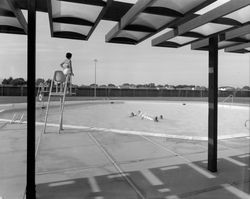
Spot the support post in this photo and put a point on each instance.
(31, 100)
(213, 104)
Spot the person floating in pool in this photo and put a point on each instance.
(145, 116)
(132, 114)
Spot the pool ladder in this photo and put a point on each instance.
(17, 118)
(228, 98)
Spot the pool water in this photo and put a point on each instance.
(189, 119)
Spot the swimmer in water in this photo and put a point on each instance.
(132, 114)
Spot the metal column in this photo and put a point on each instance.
(31, 100)
(213, 104)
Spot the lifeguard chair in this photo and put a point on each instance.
(58, 88)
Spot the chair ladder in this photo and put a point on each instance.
(61, 95)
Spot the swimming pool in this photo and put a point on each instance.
(187, 120)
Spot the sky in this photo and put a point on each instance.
(118, 64)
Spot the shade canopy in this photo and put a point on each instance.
(148, 17)
(186, 21)
(72, 19)
(229, 21)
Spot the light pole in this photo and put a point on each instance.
(95, 60)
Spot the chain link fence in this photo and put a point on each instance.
(128, 92)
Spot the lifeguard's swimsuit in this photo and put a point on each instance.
(67, 71)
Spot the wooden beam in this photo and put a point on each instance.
(31, 100)
(18, 14)
(244, 30)
(112, 33)
(100, 16)
(238, 47)
(200, 44)
(161, 39)
(128, 18)
(49, 5)
(133, 12)
(213, 104)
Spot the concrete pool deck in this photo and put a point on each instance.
(94, 164)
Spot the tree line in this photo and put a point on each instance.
(22, 82)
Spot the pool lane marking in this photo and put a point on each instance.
(117, 175)
(237, 192)
(169, 168)
(111, 159)
(6, 105)
(199, 138)
(244, 156)
(154, 180)
(56, 184)
(99, 197)
(192, 165)
(172, 197)
(235, 161)
(164, 190)
(117, 131)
